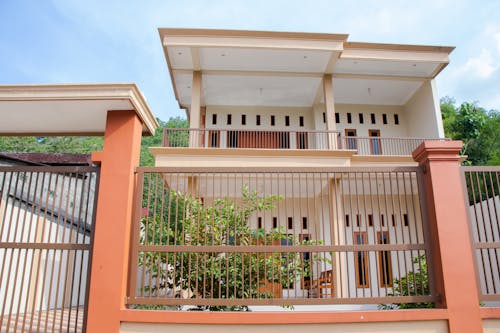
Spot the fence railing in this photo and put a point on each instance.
(220, 238)
(482, 186)
(287, 139)
(46, 231)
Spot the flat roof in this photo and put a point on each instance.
(265, 68)
(69, 109)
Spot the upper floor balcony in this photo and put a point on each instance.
(237, 138)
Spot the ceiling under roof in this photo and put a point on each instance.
(286, 69)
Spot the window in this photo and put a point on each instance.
(229, 119)
(287, 120)
(370, 220)
(337, 118)
(358, 220)
(405, 220)
(384, 119)
(347, 223)
(257, 120)
(372, 117)
(384, 258)
(393, 218)
(290, 223)
(349, 119)
(361, 120)
(259, 222)
(396, 119)
(361, 258)
(301, 121)
(273, 121)
(324, 117)
(275, 222)
(382, 220)
(214, 119)
(243, 119)
(304, 223)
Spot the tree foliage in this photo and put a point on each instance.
(478, 128)
(218, 275)
(84, 145)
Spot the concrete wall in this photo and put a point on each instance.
(386, 130)
(265, 117)
(403, 327)
(423, 113)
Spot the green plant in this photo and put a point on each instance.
(224, 274)
(415, 283)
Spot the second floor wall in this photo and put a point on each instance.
(419, 117)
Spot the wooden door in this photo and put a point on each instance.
(351, 143)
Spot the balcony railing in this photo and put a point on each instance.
(288, 139)
(279, 237)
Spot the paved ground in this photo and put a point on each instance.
(69, 320)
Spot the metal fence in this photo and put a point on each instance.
(287, 139)
(483, 201)
(46, 231)
(226, 238)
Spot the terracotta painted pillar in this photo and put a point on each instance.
(450, 240)
(108, 282)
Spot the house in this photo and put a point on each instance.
(294, 106)
(310, 210)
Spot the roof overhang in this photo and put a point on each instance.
(68, 109)
(264, 68)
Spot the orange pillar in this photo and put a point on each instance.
(108, 282)
(450, 240)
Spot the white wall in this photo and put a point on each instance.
(265, 117)
(423, 113)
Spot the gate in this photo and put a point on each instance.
(482, 185)
(47, 224)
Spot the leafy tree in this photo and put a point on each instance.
(147, 158)
(477, 128)
(217, 275)
(85, 145)
(55, 144)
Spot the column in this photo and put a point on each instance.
(450, 239)
(330, 110)
(195, 110)
(108, 282)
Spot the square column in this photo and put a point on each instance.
(108, 280)
(452, 256)
(330, 110)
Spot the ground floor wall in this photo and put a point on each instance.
(438, 326)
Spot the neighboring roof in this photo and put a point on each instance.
(263, 68)
(68, 109)
(47, 158)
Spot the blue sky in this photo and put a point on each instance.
(60, 41)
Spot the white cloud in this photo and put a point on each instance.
(481, 66)
(496, 37)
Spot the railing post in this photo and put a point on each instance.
(108, 281)
(450, 239)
